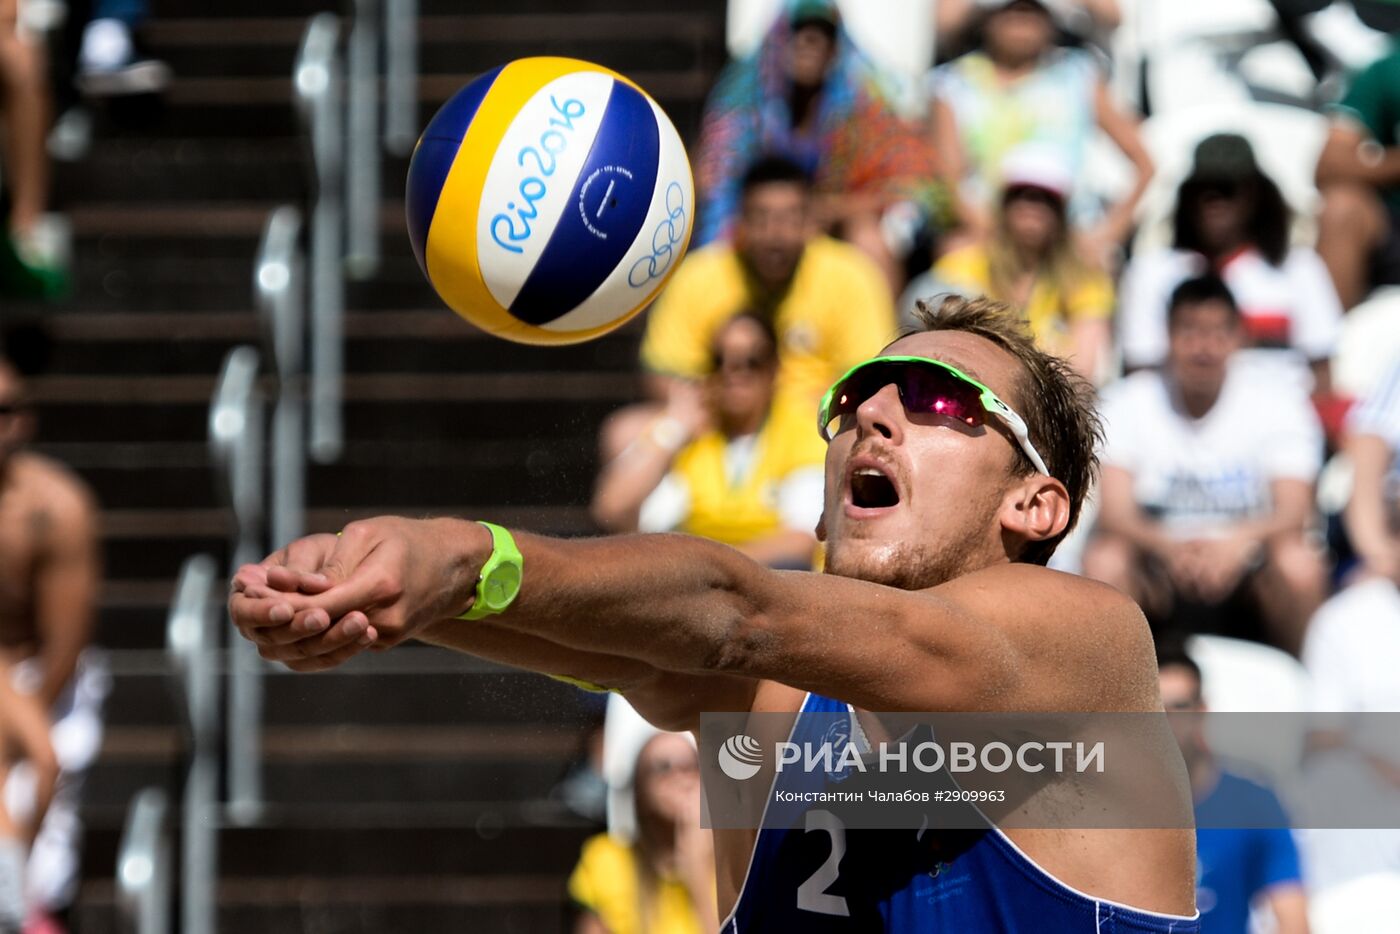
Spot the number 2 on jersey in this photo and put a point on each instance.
(812, 895)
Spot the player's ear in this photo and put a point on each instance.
(1035, 508)
(821, 527)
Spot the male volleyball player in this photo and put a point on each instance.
(942, 504)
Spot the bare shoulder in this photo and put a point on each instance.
(1091, 641)
(66, 497)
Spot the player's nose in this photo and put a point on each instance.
(882, 414)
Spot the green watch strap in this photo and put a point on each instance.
(500, 578)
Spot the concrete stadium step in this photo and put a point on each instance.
(389, 407)
(154, 343)
(455, 469)
(171, 169)
(523, 905)
(189, 9)
(376, 871)
(419, 685)
(265, 46)
(300, 770)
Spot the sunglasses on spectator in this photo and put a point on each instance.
(926, 387)
(13, 408)
(742, 363)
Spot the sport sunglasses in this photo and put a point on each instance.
(925, 386)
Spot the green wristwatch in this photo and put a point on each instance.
(500, 577)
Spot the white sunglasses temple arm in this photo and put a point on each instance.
(1023, 436)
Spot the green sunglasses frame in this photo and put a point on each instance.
(990, 402)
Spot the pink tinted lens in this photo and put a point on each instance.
(923, 389)
(934, 390)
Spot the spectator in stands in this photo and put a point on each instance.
(810, 95)
(28, 268)
(827, 302)
(1029, 262)
(1088, 20)
(1245, 853)
(1358, 174)
(1351, 653)
(729, 466)
(1231, 219)
(49, 573)
(1206, 491)
(24, 744)
(663, 882)
(1018, 87)
(1371, 515)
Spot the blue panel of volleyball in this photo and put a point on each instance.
(549, 200)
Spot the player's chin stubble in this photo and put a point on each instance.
(906, 565)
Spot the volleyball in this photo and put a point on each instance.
(549, 201)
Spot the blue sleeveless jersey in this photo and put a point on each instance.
(829, 879)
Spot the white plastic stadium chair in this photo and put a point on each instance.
(1246, 677)
(1369, 344)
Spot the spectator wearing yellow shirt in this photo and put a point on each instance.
(726, 460)
(664, 881)
(828, 302)
(1030, 262)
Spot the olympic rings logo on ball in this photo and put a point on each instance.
(667, 236)
(533, 188)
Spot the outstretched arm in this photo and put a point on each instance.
(669, 700)
(1008, 637)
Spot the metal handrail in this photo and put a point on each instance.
(363, 158)
(236, 447)
(400, 75)
(318, 77)
(143, 865)
(192, 640)
(279, 292)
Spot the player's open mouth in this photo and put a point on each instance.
(872, 489)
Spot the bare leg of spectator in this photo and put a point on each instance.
(26, 98)
(1350, 227)
(1289, 589)
(27, 116)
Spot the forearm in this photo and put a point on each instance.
(1366, 514)
(1292, 509)
(497, 642)
(672, 601)
(1132, 524)
(629, 478)
(1366, 528)
(60, 661)
(1342, 162)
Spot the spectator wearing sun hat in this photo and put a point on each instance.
(1232, 220)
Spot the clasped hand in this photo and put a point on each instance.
(325, 598)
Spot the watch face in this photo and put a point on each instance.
(503, 585)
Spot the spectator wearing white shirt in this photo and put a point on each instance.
(1232, 219)
(1207, 484)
